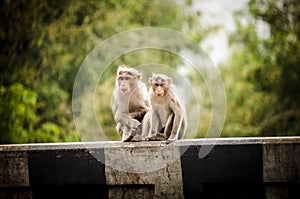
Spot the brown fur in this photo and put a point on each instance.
(130, 104)
(168, 114)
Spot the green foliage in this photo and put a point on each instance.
(42, 45)
(264, 76)
(48, 132)
(17, 113)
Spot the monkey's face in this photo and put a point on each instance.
(125, 82)
(159, 86)
(159, 89)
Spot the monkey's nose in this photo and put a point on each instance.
(159, 93)
(124, 90)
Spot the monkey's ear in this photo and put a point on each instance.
(139, 76)
(150, 80)
(169, 80)
(120, 68)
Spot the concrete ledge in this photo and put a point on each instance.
(234, 168)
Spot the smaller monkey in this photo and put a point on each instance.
(131, 104)
(168, 113)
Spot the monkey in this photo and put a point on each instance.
(169, 120)
(131, 103)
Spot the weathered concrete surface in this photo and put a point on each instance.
(281, 162)
(153, 163)
(16, 194)
(234, 168)
(14, 169)
(281, 166)
(131, 191)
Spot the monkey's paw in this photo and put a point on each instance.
(138, 138)
(155, 137)
(127, 136)
(134, 124)
(169, 141)
(137, 130)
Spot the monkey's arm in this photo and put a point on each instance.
(139, 114)
(122, 116)
(125, 119)
(178, 116)
(142, 103)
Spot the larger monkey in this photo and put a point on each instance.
(168, 113)
(131, 104)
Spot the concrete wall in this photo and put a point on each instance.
(233, 168)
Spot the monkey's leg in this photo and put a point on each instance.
(138, 138)
(119, 128)
(126, 134)
(156, 137)
(168, 127)
(147, 124)
(182, 129)
(133, 134)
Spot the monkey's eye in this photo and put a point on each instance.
(127, 78)
(157, 84)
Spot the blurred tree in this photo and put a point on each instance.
(17, 110)
(263, 83)
(43, 43)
